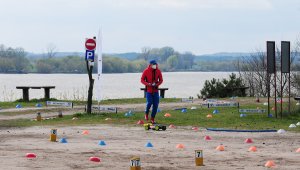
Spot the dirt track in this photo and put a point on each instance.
(124, 142)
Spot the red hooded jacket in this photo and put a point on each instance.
(151, 76)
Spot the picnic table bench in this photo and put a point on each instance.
(25, 90)
(161, 91)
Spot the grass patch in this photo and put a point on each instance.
(33, 102)
(31, 111)
(227, 118)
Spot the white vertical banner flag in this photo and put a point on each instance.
(99, 76)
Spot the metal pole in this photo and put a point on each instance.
(275, 94)
(268, 77)
(275, 84)
(289, 92)
(281, 88)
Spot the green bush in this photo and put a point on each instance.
(226, 88)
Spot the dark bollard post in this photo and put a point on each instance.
(26, 94)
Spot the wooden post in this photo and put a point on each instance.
(47, 93)
(26, 94)
(91, 86)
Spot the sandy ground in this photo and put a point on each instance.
(124, 142)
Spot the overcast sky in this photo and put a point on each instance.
(198, 26)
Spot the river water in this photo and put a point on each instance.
(126, 85)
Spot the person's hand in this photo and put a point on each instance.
(153, 84)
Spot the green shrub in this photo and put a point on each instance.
(226, 88)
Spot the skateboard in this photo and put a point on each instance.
(156, 127)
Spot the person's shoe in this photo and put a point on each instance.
(146, 117)
(152, 121)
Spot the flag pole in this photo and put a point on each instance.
(99, 77)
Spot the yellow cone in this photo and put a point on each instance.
(167, 115)
(209, 116)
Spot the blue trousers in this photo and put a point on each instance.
(152, 99)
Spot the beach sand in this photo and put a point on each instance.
(124, 142)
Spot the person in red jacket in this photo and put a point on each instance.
(152, 78)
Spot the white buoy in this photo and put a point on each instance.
(281, 131)
(292, 126)
(265, 104)
(297, 104)
(193, 108)
(298, 124)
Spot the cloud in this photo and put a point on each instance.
(63, 6)
(193, 4)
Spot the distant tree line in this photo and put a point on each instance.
(14, 60)
(168, 58)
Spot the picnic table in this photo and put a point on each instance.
(25, 90)
(161, 91)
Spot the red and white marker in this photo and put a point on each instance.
(90, 44)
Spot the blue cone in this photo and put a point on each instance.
(149, 145)
(215, 111)
(38, 105)
(18, 106)
(158, 110)
(243, 115)
(128, 114)
(101, 143)
(63, 140)
(183, 110)
(270, 115)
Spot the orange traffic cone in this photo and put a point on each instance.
(298, 150)
(269, 164)
(209, 116)
(85, 132)
(167, 115)
(252, 149)
(220, 148)
(180, 146)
